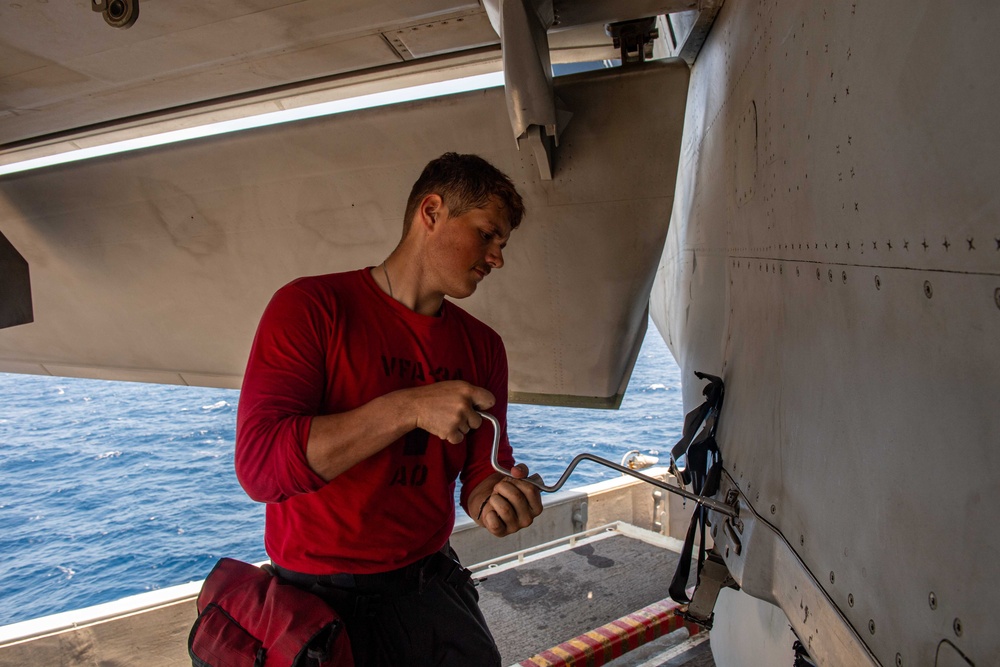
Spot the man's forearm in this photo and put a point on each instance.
(338, 442)
(444, 409)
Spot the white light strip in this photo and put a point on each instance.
(465, 84)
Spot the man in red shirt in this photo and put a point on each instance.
(360, 409)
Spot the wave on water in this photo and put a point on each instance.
(111, 489)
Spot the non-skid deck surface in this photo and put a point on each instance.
(541, 603)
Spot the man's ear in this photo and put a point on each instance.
(430, 210)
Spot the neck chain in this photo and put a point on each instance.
(387, 281)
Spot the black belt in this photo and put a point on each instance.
(409, 578)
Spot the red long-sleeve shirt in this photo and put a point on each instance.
(329, 344)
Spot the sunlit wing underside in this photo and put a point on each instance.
(156, 265)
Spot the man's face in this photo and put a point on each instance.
(468, 247)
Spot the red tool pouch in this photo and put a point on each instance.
(246, 616)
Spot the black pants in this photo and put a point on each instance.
(426, 614)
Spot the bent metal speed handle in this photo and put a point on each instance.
(536, 479)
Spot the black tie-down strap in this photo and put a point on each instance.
(697, 461)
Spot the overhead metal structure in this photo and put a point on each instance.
(155, 265)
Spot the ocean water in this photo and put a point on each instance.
(109, 489)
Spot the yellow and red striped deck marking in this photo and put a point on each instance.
(611, 640)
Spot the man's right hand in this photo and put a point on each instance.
(445, 409)
(450, 409)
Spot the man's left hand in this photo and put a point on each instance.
(512, 504)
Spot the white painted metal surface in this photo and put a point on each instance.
(834, 254)
(155, 266)
(64, 68)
